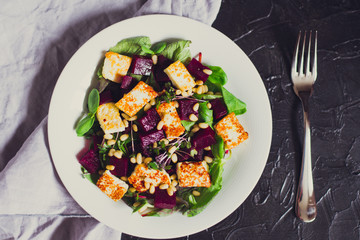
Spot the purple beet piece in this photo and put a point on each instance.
(149, 120)
(150, 137)
(90, 161)
(121, 166)
(96, 142)
(186, 108)
(145, 151)
(105, 97)
(203, 138)
(141, 65)
(219, 108)
(196, 69)
(158, 69)
(163, 200)
(126, 82)
(187, 155)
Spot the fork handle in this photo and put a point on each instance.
(305, 206)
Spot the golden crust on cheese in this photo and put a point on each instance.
(172, 123)
(193, 174)
(112, 186)
(142, 173)
(179, 76)
(231, 131)
(115, 66)
(133, 101)
(109, 118)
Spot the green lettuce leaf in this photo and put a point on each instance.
(178, 50)
(233, 104)
(132, 46)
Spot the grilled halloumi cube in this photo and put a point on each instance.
(179, 76)
(193, 174)
(109, 118)
(231, 131)
(115, 66)
(112, 186)
(172, 123)
(144, 174)
(133, 101)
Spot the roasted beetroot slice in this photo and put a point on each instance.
(141, 65)
(200, 155)
(96, 142)
(196, 69)
(163, 200)
(151, 137)
(149, 121)
(105, 97)
(203, 138)
(186, 108)
(121, 166)
(219, 108)
(90, 161)
(158, 69)
(126, 82)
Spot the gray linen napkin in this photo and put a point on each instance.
(38, 38)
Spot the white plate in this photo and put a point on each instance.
(241, 172)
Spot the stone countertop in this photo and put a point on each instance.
(266, 31)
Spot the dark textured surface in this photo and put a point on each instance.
(266, 31)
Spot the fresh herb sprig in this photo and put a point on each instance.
(86, 123)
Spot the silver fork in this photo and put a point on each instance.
(303, 80)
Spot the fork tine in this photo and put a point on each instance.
(301, 70)
(295, 57)
(314, 67)
(308, 56)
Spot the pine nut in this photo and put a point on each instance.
(133, 118)
(154, 59)
(147, 107)
(111, 142)
(138, 158)
(132, 189)
(152, 189)
(124, 115)
(196, 193)
(208, 148)
(124, 178)
(199, 90)
(178, 92)
(208, 159)
(136, 204)
(126, 123)
(160, 125)
(147, 160)
(203, 125)
(208, 105)
(118, 154)
(111, 152)
(199, 82)
(164, 186)
(172, 177)
(147, 185)
(193, 117)
(196, 107)
(205, 88)
(132, 160)
(155, 145)
(152, 102)
(174, 158)
(176, 104)
(174, 183)
(108, 136)
(170, 192)
(142, 209)
(207, 71)
(135, 127)
(124, 137)
(166, 141)
(172, 149)
(195, 129)
(110, 167)
(210, 93)
(185, 94)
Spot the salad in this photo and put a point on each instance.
(161, 126)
